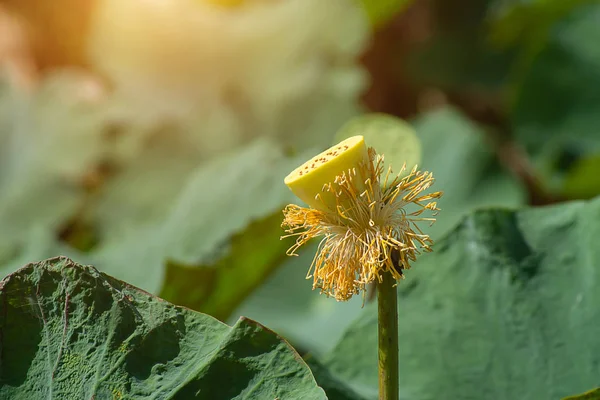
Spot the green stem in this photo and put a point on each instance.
(387, 304)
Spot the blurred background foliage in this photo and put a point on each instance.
(151, 138)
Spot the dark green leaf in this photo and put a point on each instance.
(70, 332)
(590, 395)
(506, 307)
(219, 288)
(335, 388)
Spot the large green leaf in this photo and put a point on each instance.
(219, 288)
(506, 307)
(69, 331)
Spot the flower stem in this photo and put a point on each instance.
(387, 305)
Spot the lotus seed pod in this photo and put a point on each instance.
(308, 180)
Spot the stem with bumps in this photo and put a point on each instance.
(387, 304)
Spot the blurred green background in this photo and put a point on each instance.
(151, 138)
